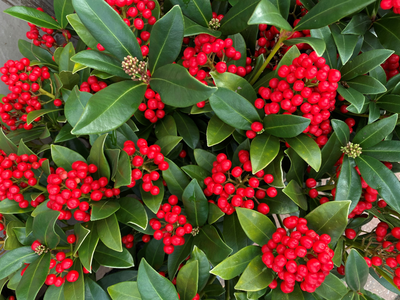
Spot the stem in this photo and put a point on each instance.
(227, 285)
(40, 188)
(325, 188)
(43, 92)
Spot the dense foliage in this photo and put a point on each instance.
(223, 150)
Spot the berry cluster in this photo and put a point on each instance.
(147, 159)
(300, 255)
(152, 106)
(237, 187)
(23, 82)
(67, 188)
(127, 240)
(170, 225)
(17, 175)
(391, 66)
(389, 4)
(308, 84)
(92, 85)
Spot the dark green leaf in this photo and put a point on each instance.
(103, 209)
(233, 233)
(64, 134)
(238, 16)
(13, 260)
(267, 13)
(11, 207)
(255, 277)
(89, 244)
(34, 16)
(98, 158)
(217, 131)
(165, 126)
(214, 214)
(204, 159)
(192, 28)
(179, 255)
(294, 191)
(93, 291)
(204, 266)
(332, 288)
(196, 172)
(358, 25)
(154, 201)
(43, 228)
(317, 44)
(388, 33)
(123, 175)
(356, 271)
(64, 157)
(308, 150)
(390, 103)
(155, 253)
(285, 126)
(38, 113)
(175, 178)
(367, 85)
(112, 259)
(132, 212)
(341, 130)
(62, 8)
(82, 31)
(345, 43)
(384, 151)
(81, 233)
(330, 54)
(168, 143)
(352, 96)
(75, 105)
(187, 128)
(264, 148)
(65, 63)
(197, 10)
(34, 52)
(124, 291)
(187, 280)
(54, 293)
(195, 203)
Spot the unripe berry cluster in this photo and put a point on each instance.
(17, 175)
(23, 82)
(300, 255)
(146, 160)
(389, 4)
(391, 66)
(170, 225)
(310, 85)
(237, 187)
(152, 106)
(92, 85)
(66, 189)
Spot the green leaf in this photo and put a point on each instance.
(341, 130)
(196, 172)
(13, 260)
(123, 175)
(187, 280)
(345, 43)
(211, 243)
(352, 96)
(197, 10)
(204, 266)
(235, 83)
(367, 85)
(166, 39)
(93, 291)
(326, 12)
(239, 44)
(204, 159)
(6, 145)
(329, 218)
(257, 226)
(364, 63)
(285, 126)
(294, 191)
(384, 151)
(100, 61)
(38, 113)
(154, 201)
(374, 133)
(358, 25)
(195, 203)
(103, 209)
(267, 13)
(317, 44)
(82, 32)
(98, 158)
(233, 109)
(330, 54)
(119, 99)
(168, 143)
(233, 233)
(187, 128)
(175, 178)
(349, 183)
(388, 32)
(356, 271)
(81, 234)
(62, 8)
(237, 263)
(132, 212)
(43, 228)
(217, 131)
(166, 126)
(34, 52)
(34, 16)
(390, 103)
(64, 134)
(308, 150)
(264, 148)
(379, 177)
(64, 157)
(65, 63)
(214, 213)
(11, 207)
(34, 277)
(54, 293)
(179, 255)
(112, 259)
(255, 277)
(331, 288)
(108, 28)
(177, 87)
(75, 105)
(124, 291)
(192, 28)
(237, 18)
(76, 290)
(89, 244)
(155, 253)
(153, 286)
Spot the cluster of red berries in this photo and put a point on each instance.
(92, 85)
(153, 107)
(147, 159)
(309, 84)
(67, 188)
(170, 225)
(389, 4)
(127, 240)
(17, 175)
(237, 187)
(300, 255)
(256, 128)
(23, 82)
(391, 66)
(47, 38)
(137, 12)
(1, 222)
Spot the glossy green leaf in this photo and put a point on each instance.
(235, 83)
(317, 44)
(257, 226)
(330, 54)
(214, 213)
(364, 63)
(234, 265)
(11, 207)
(187, 280)
(197, 10)
(329, 218)
(38, 113)
(123, 174)
(34, 277)
(267, 13)
(179, 255)
(211, 243)
(196, 172)
(124, 291)
(308, 150)
(44, 228)
(54, 293)
(132, 212)
(388, 32)
(110, 108)
(358, 25)
(103, 209)
(175, 178)
(285, 126)
(237, 18)
(154, 201)
(204, 159)
(154, 286)
(166, 39)
(93, 291)
(108, 28)
(166, 126)
(33, 52)
(81, 233)
(89, 244)
(379, 177)
(264, 148)
(195, 203)
(75, 290)
(390, 103)
(65, 63)
(327, 12)
(356, 271)
(341, 130)
(155, 253)
(367, 85)
(98, 158)
(64, 134)
(217, 131)
(82, 31)
(113, 259)
(255, 277)
(294, 191)
(34, 16)
(352, 96)
(13, 260)
(64, 157)
(384, 151)
(75, 105)
(204, 266)
(177, 87)
(193, 28)
(168, 143)
(187, 128)
(233, 233)
(345, 43)
(374, 133)
(331, 288)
